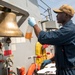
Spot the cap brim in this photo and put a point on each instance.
(57, 10)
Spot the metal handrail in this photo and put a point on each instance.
(47, 10)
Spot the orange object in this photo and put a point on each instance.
(32, 68)
(28, 35)
(22, 71)
(29, 31)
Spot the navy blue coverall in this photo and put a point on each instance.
(64, 41)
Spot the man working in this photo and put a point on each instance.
(63, 39)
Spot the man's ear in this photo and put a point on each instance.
(66, 15)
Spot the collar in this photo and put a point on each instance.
(69, 22)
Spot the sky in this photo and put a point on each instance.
(54, 4)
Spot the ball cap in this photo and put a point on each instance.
(65, 8)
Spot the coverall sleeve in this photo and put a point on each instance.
(58, 37)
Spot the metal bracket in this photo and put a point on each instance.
(18, 11)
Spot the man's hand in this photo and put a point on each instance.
(31, 21)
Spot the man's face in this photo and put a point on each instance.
(61, 17)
